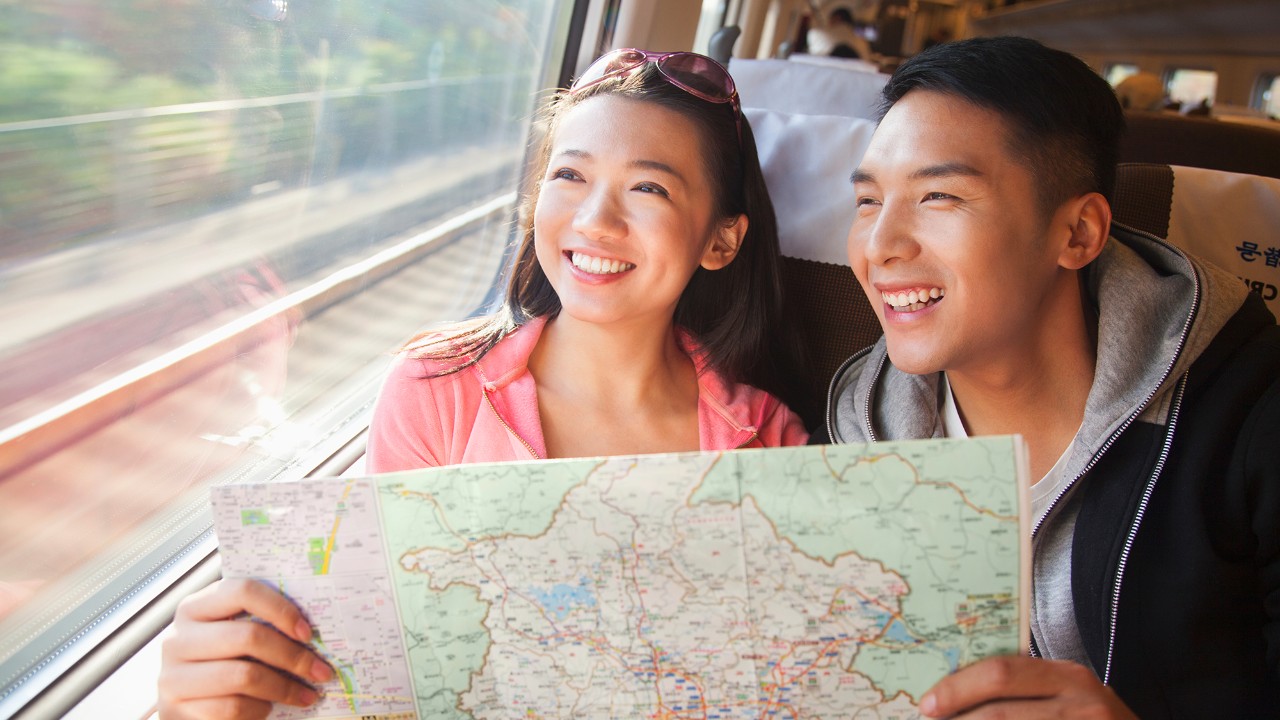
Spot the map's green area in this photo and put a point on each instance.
(446, 642)
(897, 504)
(450, 507)
(254, 516)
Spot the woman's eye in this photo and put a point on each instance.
(564, 174)
(652, 188)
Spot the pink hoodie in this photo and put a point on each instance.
(489, 412)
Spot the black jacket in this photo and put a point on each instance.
(1176, 552)
(1197, 627)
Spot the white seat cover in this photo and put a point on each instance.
(807, 88)
(1233, 221)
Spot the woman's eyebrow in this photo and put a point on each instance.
(659, 166)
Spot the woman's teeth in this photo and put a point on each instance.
(912, 300)
(598, 266)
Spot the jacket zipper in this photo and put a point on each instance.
(1182, 341)
(831, 391)
(514, 434)
(1137, 520)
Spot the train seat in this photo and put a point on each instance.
(812, 123)
(1174, 139)
(807, 88)
(1230, 219)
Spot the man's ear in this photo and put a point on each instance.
(1086, 221)
(725, 240)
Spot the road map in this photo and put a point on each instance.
(811, 582)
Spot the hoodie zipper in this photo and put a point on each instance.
(1174, 408)
(831, 392)
(1133, 530)
(514, 434)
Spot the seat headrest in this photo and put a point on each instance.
(806, 88)
(807, 160)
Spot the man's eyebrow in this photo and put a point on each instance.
(942, 170)
(932, 171)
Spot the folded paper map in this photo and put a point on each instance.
(809, 582)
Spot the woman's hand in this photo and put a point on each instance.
(219, 663)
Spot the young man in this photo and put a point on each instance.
(1145, 383)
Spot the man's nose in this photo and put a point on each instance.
(890, 236)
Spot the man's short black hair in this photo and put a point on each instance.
(1064, 120)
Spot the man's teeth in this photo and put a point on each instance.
(912, 300)
(598, 266)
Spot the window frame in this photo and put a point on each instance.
(1264, 83)
(1171, 70)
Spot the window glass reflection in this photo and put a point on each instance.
(185, 189)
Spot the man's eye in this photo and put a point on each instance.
(863, 201)
(939, 196)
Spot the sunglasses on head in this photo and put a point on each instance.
(696, 74)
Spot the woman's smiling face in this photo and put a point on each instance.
(624, 215)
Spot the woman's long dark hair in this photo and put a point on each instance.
(734, 313)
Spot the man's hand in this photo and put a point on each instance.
(1023, 687)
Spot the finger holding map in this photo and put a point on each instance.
(235, 648)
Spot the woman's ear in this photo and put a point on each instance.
(1088, 222)
(724, 244)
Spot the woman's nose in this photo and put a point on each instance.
(599, 215)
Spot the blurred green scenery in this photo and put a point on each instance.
(127, 114)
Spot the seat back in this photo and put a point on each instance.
(1229, 219)
(803, 88)
(1201, 142)
(812, 124)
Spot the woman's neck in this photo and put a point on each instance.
(614, 389)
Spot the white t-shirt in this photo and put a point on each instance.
(1053, 622)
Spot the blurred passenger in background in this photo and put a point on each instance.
(838, 37)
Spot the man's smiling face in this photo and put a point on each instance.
(949, 242)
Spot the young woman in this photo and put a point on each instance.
(642, 315)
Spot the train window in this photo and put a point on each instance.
(1115, 73)
(1192, 87)
(217, 220)
(1268, 95)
